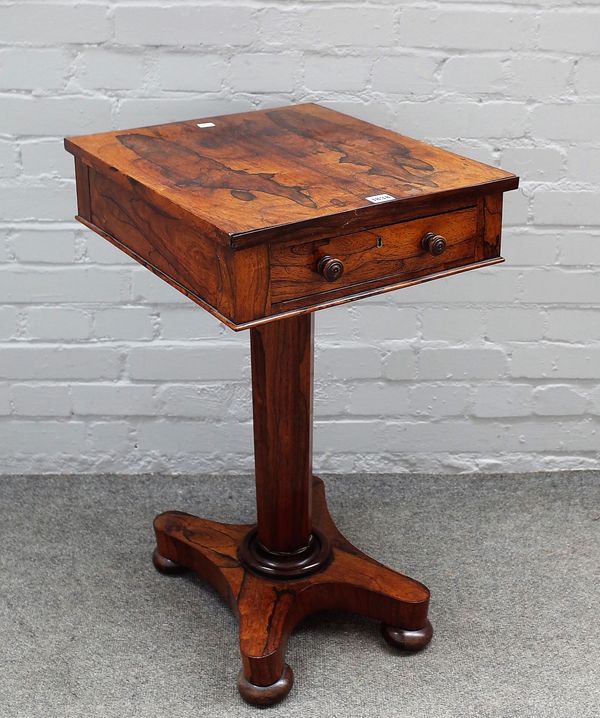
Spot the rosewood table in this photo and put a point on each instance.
(262, 218)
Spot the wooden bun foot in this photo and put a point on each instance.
(263, 696)
(165, 565)
(407, 640)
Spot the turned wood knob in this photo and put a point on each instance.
(434, 243)
(330, 268)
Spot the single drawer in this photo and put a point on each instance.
(393, 252)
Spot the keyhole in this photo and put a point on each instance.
(379, 242)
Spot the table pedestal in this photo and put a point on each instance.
(294, 561)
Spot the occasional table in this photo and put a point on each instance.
(262, 218)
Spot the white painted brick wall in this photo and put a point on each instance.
(103, 367)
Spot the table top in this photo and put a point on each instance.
(245, 174)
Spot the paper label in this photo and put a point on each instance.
(377, 198)
(202, 125)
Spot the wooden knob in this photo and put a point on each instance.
(434, 243)
(330, 268)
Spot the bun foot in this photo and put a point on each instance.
(165, 565)
(263, 696)
(407, 640)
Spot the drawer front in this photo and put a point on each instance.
(393, 252)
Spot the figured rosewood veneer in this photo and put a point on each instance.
(237, 211)
(266, 216)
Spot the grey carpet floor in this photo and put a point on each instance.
(89, 629)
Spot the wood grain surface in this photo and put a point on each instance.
(270, 215)
(282, 395)
(268, 610)
(378, 253)
(238, 214)
(254, 171)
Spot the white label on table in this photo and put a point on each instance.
(202, 125)
(377, 198)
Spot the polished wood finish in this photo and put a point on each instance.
(406, 640)
(282, 396)
(161, 239)
(434, 243)
(330, 268)
(268, 610)
(165, 565)
(285, 543)
(263, 696)
(387, 254)
(289, 166)
(248, 182)
(268, 216)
